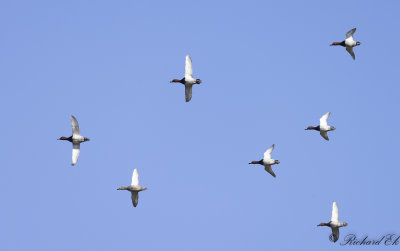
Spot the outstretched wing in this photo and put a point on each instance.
(335, 212)
(350, 33)
(267, 154)
(268, 168)
(188, 92)
(75, 152)
(335, 234)
(351, 52)
(135, 178)
(75, 126)
(188, 67)
(324, 134)
(323, 121)
(135, 198)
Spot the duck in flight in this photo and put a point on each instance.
(267, 161)
(334, 224)
(76, 139)
(188, 80)
(134, 188)
(349, 43)
(323, 127)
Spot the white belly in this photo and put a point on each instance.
(78, 139)
(350, 42)
(268, 161)
(324, 128)
(190, 80)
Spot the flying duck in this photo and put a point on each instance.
(76, 139)
(334, 224)
(349, 43)
(134, 188)
(323, 127)
(188, 80)
(267, 161)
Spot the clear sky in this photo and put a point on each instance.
(268, 72)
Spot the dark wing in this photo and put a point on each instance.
(350, 33)
(268, 168)
(135, 198)
(324, 134)
(351, 52)
(335, 233)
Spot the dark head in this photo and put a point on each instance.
(358, 43)
(122, 188)
(198, 81)
(277, 161)
(63, 138)
(86, 139)
(175, 80)
(311, 128)
(323, 224)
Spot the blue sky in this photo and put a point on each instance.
(268, 72)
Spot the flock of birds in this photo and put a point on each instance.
(188, 81)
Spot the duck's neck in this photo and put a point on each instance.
(65, 138)
(339, 43)
(257, 162)
(182, 81)
(313, 128)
